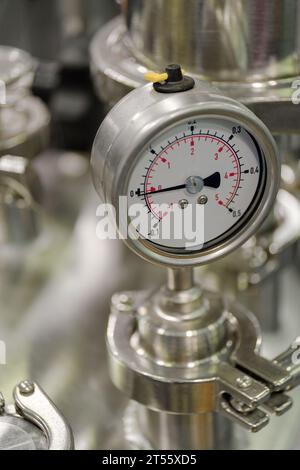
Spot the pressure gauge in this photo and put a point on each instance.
(191, 173)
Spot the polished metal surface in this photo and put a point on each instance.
(55, 299)
(170, 431)
(16, 72)
(24, 119)
(20, 190)
(290, 174)
(32, 420)
(184, 353)
(24, 128)
(116, 71)
(217, 39)
(54, 302)
(33, 404)
(69, 353)
(181, 350)
(164, 319)
(180, 279)
(19, 434)
(253, 274)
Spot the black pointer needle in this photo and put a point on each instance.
(212, 181)
(172, 188)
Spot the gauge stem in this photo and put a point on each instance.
(180, 278)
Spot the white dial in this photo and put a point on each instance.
(210, 170)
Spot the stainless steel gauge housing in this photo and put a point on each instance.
(197, 147)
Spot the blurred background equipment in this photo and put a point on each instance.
(24, 119)
(56, 277)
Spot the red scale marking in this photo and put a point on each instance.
(227, 148)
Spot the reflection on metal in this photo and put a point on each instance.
(146, 429)
(144, 117)
(54, 306)
(184, 353)
(116, 71)
(181, 353)
(290, 173)
(24, 119)
(33, 422)
(219, 39)
(253, 275)
(69, 353)
(19, 193)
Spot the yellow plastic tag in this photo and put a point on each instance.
(155, 77)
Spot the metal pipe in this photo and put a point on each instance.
(180, 279)
(168, 431)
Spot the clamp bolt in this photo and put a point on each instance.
(26, 387)
(244, 382)
(125, 300)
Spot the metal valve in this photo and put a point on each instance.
(184, 352)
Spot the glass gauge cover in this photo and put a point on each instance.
(191, 175)
(195, 185)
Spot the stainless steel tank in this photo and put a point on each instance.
(234, 40)
(249, 50)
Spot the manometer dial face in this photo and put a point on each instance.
(208, 171)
